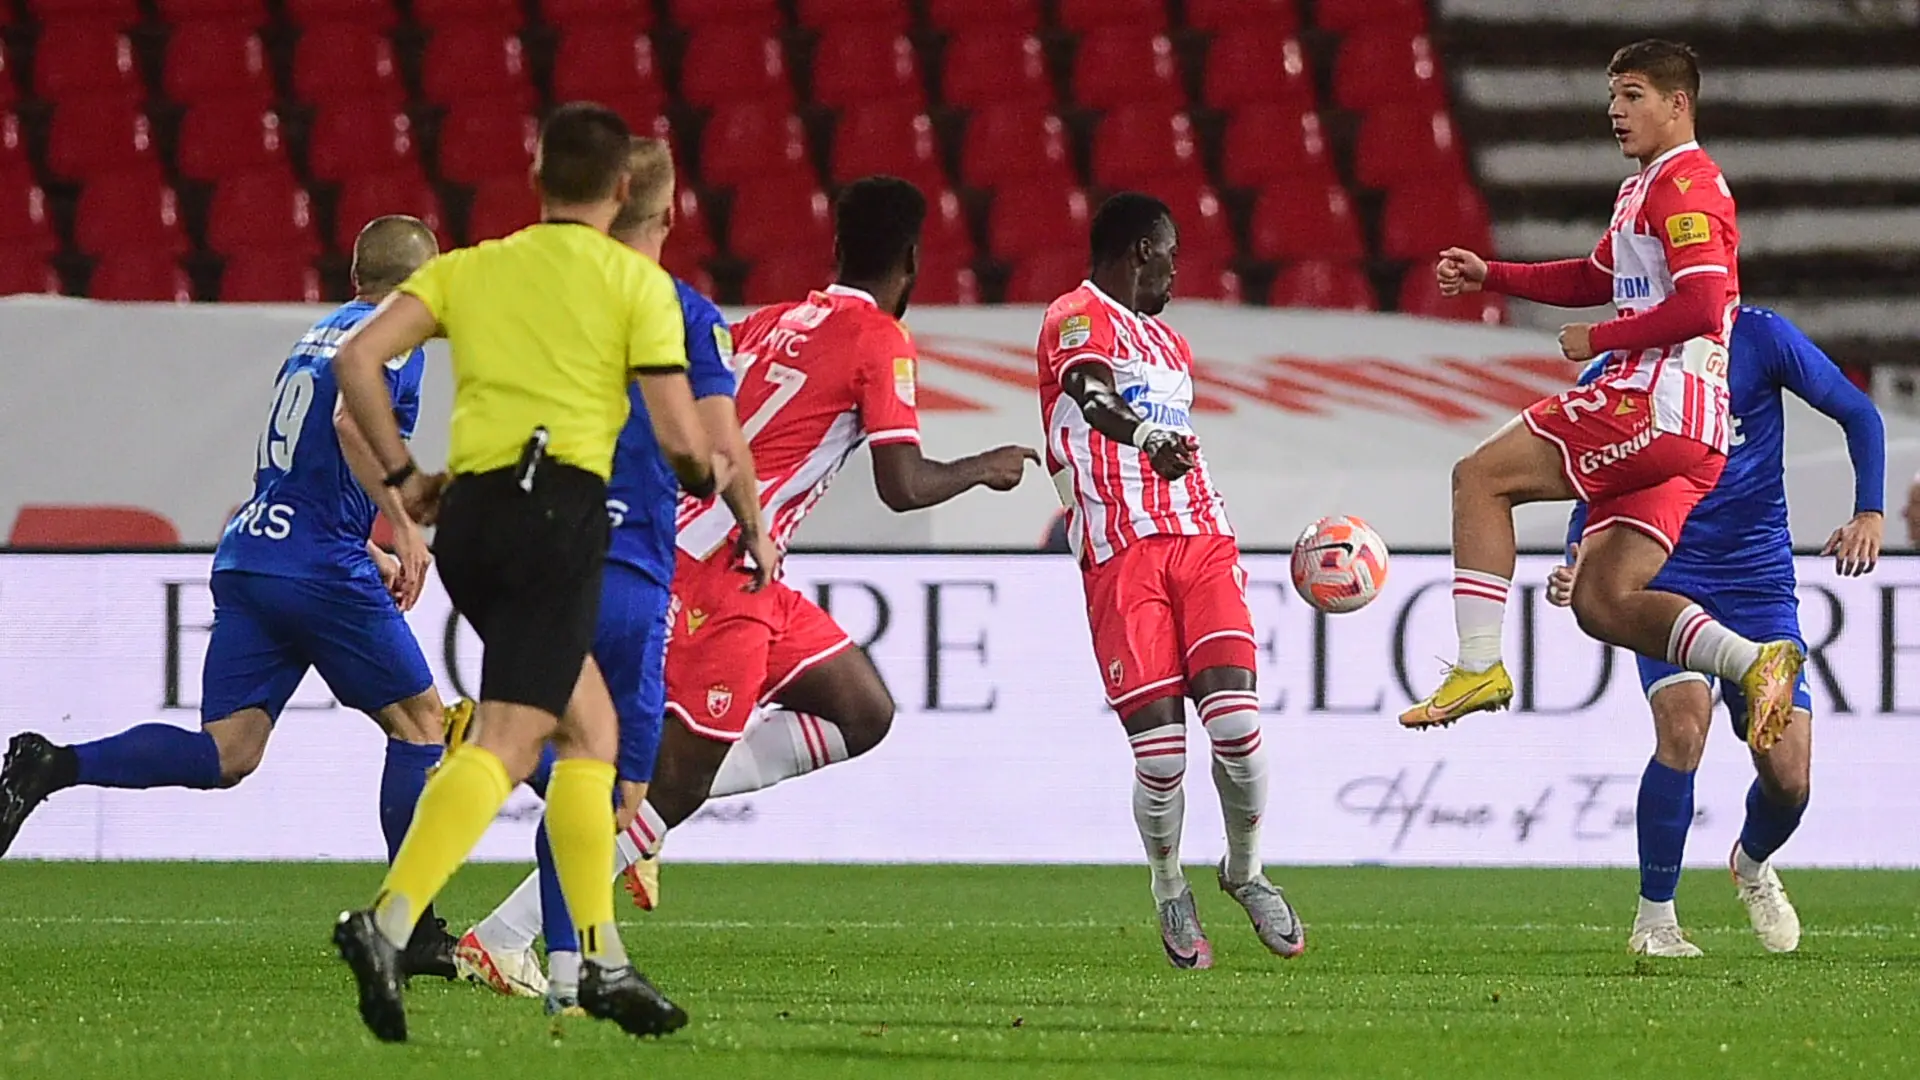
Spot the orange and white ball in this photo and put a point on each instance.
(1339, 564)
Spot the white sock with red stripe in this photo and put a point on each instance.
(783, 745)
(640, 839)
(1699, 643)
(1232, 721)
(1160, 803)
(1479, 608)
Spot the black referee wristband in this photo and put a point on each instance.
(400, 475)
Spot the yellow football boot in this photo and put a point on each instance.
(1462, 692)
(455, 721)
(1768, 684)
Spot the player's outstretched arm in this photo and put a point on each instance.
(905, 479)
(677, 428)
(1562, 283)
(742, 493)
(1091, 387)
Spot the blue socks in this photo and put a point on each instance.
(1662, 816)
(149, 756)
(401, 782)
(556, 923)
(1768, 824)
(542, 771)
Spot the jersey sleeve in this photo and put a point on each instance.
(403, 385)
(888, 386)
(657, 335)
(709, 348)
(1602, 257)
(1076, 334)
(1692, 214)
(1799, 365)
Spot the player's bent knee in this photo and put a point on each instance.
(419, 719)
(242, 742)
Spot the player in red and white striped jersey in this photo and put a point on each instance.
(1166, 596)
(1645, 442)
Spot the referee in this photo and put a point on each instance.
(546, 327)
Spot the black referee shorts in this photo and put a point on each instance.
(524, 568)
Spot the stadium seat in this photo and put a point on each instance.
(139, 275)
(93, 135)
(13, 145)
(25, 226)
(9, 93)
(483, 139)
(1305, 221)
(261, 210)
(463, 62)
(1406, 144)
(1016, 141)
(734, 18)
(501, 206)
(25, 271)
(1081, 16)
(1139, 144)
(49, 12)
(947, 230)
(887, 136)
(1046, 276)
(1268, 144)
(1243, 16)
(889, 15)
(345, 60)
(350, 137)
(1420, 295)
(749, 139)
(220, 138)
(985, 67)
(72, 526)
(637, 14)
(247, 13)
(692, 233)
(598, 60)
(1387, 66)
(1256, 66)
(786, 276)
(209, 60)
(499, 14)
(1345, 16)
(402, 191)
(771, 216)
(373, 14)
(968, 16)
(1206, 236)
(945, 280)
(1214, 279)
(1323, 284)
(1120, 66)
(129, 210)
(265, 277)
(719, 69)
(643, 108)
(853, 64)
(89, 57)
(1419, 220)
(1027, 219)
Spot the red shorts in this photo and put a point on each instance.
(730, 650)
(1163, 609)
(1626, 471)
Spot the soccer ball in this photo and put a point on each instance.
(1339, 564)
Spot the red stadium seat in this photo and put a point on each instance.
(946, 230)
(1121, 66)
(887, 137)
(1206, 237)
(23, 270)
(637, 14)
(1255, 66)
(91, 57)
(771, 216)
(1028, 219)
(720, 68)
(465, 62)
(1306, 221)
(1419, 221)
(139, 275)
(943, 279)
(1386, 67)
(1345, 16)
(968, 16)
(345, 60)
(1268, 144)
(500, 207)
(208, 60)
(436, 14)
(13, 145)
(692, 236)
(993, 66)
(749, 139)
(129, 210)
(1242, 16)
(25, 226)
(8, 92)
(263, 210)
(73, 526)
(1407, 144)
(1081, 16)
(1016, 142)
(1210, 280)
(733, 17)
(480, 140)
(1420, 295)
(1046, 276)
(267, 277)
(220, 138)
(785, 276)
(403, 191)
(350, 137)
(1323, 284)
(96, 135)
(889, 15)
(49, 12)
(376, 14)
(247, 13)
(1139, 144)
(599, 60)
(854, 64)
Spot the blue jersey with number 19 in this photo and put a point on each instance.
(309, 517)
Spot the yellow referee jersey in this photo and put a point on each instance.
(547, 327)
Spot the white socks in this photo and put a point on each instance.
(1232, 722)
(1479, 608)
(563, 974)
(1656, 913)
(1698, 642)
(1159, 803)
(781, 746)
(513, 925)
(1744, 867)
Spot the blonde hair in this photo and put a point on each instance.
(651, 191)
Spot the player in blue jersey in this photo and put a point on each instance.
(631, 644)
(297, 584)
(1735, 562)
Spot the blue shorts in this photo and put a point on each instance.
(1757, 613)
(268, 631)
(631, 649)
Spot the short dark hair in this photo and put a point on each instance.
(876, 221)
(388, 250)
(583, 152)
(1124, 220)
(1669, 65)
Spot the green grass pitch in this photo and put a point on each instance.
(203, 971)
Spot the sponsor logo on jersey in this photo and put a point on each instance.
(1632, 288)
(903, 383)
(695, 620)
(1075, 331)
(723, 343)
(1594, 460)
(1626, 406)
(1684, 183)
(1154, 412)
(1686, 230)
(719, 700)
(1116, 671)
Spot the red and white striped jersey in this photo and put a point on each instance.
(817, 378)
(1672, 220)
(1110, 490)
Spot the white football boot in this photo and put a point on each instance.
(1661, 939)
(511, 973)
(1774, 920)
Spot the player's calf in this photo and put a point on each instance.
(242, 742)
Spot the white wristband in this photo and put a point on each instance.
(1144, 431)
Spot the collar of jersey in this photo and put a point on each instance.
(857, 294)
(1110, 301)
(1691, 144)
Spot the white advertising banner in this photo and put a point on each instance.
(1002, 750)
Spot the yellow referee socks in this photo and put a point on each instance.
(580, 831)
(455, 809)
